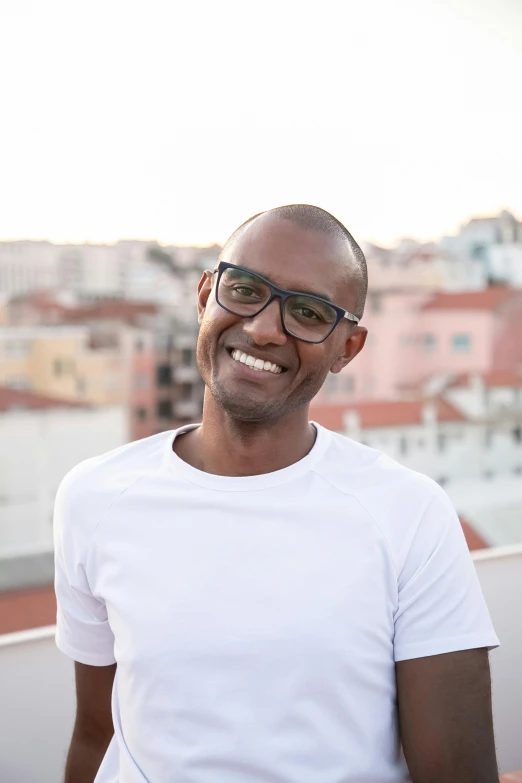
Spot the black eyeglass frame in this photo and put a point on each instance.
(282, 294)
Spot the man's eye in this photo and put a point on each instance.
(305, 312)
(243, 290)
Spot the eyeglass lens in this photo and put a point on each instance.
(243, 293)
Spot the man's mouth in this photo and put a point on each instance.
(258, 365)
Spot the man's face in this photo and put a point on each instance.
(292, 258)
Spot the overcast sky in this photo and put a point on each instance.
(177, 121)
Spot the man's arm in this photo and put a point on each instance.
(93, 728)
(445, 718)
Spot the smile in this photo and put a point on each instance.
(256, 364)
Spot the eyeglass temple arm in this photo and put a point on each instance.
(351, 317)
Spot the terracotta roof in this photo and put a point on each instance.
(486, 299)
(473, 539)
(113, 309)
(382, 413)
(12, 399)
(21, 610)
(493, 379)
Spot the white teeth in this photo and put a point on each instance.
(255, 364)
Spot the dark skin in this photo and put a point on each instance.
(252, 426)
(93, 727)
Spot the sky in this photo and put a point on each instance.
(177, 121)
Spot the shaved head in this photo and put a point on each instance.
(319, 220)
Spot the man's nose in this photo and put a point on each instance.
(266, 327)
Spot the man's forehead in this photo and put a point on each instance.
(291, 255)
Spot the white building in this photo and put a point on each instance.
(40, 440)
(28, 266)
(132, 269)
(494, 242)
(421, 266)
(469, 440)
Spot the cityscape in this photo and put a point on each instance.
(97, 348)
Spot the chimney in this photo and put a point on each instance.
(352, 424)
(429, 413)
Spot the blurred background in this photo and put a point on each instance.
(135, 137)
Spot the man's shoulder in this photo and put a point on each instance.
(392, 494)
(96, 481)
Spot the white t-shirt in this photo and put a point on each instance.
(255, 622)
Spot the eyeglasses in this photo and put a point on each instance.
(245, 293)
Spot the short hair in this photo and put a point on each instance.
(316, 219)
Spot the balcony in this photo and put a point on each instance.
(186, 374)
(37, 683)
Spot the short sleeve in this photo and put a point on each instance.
(82, 627)
(441, 607)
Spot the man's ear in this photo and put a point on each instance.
(353, 345)
(204, 291)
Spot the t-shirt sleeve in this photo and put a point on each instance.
(82, 627)
(441, 607)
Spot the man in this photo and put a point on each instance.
(266, 601)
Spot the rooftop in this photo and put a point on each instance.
(508, 378)
(487, 299)
(22, 399)
(383, 413)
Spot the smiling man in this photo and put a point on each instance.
(264, 600)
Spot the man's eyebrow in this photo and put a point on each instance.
(326, 297)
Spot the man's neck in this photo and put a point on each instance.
(227, 447)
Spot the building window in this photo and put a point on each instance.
(349, 384)
(375, 303)
(442, 481)
(186, 357)
(141, 414)
(164, 375)
(461, 343)
(165, 409)
(58, 367)
(403, 445)
(186, 391)
(138, 346)
(441, 441)
(19, 382)
(429, 342)
(488, 474)
(17, 348)
(81, 387)
(517, 434)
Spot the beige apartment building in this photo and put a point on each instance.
(63, 362)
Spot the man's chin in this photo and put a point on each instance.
(245, 408)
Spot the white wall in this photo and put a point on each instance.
(27, 266)
(451, 451)
(37, 448)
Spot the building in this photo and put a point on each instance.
(41, 438)
(422, 266)
(468, 438)
(494, 242)
(415, 335)
(28, 266)
(129, 269)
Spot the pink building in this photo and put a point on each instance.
(414, 335)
